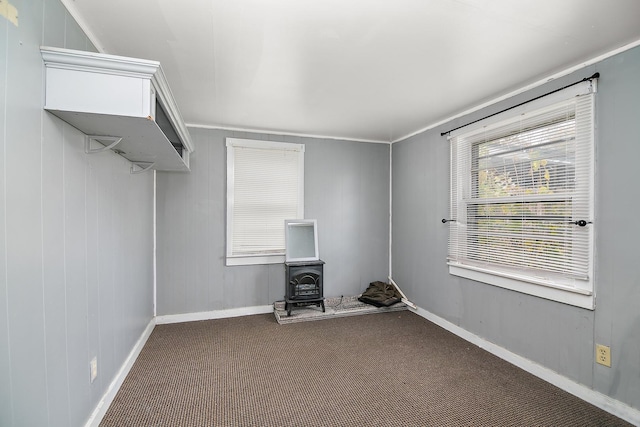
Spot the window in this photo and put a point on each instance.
(522, 198)
(265, 186)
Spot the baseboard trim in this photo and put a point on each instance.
(104, 403)
(216, 314)
(600, 400)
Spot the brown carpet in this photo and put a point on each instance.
(388, 369)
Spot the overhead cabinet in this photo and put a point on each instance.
(121, 103)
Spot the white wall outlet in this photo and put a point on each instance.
(93, 367)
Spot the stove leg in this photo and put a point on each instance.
(322, 304)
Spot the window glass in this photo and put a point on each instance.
(522, 200)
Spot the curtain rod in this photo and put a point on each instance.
(595, 76)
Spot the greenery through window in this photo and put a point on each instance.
(530, 165)
(521, 193)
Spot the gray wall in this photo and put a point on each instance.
(346, 190)
(555, 335)
(76, 241)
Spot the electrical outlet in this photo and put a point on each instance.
(603, 355)
(93, 368)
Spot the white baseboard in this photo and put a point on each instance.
(216, 314)
(110, 394)
(600, 400)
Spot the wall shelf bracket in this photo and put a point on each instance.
(106, 142)
(144, 167)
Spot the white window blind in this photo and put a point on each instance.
(520, 187)
(265, 184)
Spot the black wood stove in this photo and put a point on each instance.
(304, 284)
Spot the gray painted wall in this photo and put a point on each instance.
(346, 190)
(555, 335)
(76, 241)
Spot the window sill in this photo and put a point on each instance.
(560, 293)
(254, 259)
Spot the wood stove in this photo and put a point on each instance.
(303, 284)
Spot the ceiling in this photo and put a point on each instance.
(371, 70)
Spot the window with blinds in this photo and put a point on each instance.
(265, 186)
(522, 199)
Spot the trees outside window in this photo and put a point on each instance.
(521, 195)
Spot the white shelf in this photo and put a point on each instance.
(115, 96)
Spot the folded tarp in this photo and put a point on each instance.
(380, 294)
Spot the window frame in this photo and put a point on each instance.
(232, 259)
(577, 293)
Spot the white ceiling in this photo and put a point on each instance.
(374, 70)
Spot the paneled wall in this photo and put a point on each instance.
(76, 241)
(346, 190)
(557, 336)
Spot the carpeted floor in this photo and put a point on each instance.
(387, 369)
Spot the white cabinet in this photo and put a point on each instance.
(113, 98)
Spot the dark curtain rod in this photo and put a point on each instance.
(595, 76)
